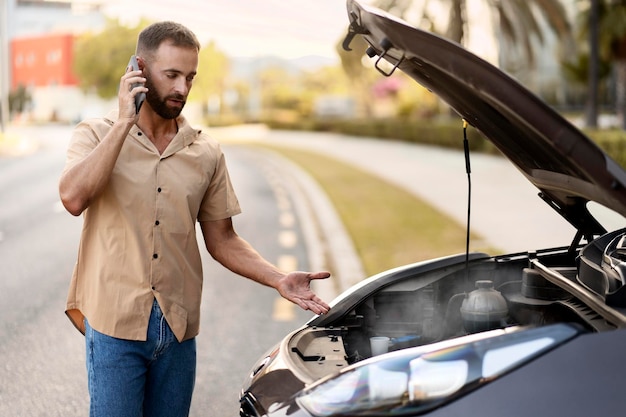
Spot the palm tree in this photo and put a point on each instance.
(358, 76)
(552, 11)
(519, 25)
(517, 21)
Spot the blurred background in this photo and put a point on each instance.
(281, 63)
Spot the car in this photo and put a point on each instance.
(534, 333)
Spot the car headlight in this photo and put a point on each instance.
(421, 378)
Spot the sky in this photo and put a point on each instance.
(284, 28)
(247, 28)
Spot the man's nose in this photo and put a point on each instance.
(182, 86)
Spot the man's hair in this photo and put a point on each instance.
(154, 35)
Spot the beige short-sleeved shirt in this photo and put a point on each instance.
(139, 239)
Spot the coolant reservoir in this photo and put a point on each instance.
(484, 308)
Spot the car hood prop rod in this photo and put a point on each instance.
(468, 170)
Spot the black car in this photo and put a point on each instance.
(538, 333)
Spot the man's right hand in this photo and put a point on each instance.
(127, 93)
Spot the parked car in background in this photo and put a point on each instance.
(537, 333)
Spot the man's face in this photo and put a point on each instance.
(169, 75)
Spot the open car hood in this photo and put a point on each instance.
(564, 164)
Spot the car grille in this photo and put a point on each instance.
(246, 406)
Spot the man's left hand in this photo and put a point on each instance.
(296, 287)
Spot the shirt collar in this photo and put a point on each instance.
(186, 133)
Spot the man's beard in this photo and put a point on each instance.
(159, 104)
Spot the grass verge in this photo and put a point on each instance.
(388, 225)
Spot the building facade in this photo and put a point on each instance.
(42, 61)
(41, 42)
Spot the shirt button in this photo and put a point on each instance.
(157, 223)
(139, 133)
(159, 189)
(156, 255)
(153, 288)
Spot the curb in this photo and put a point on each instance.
(329, 245)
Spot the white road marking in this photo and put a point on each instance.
(287, 263)
(287, 239)
(283, 310)
(283, 204)
(287, 219)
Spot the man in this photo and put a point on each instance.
(142, 181)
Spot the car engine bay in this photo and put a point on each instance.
(583, 286)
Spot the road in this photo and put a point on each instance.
(42, 371)
(43, 356)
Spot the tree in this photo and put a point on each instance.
(360, 78)
(280, 93)
(517, 22)
(100, 58)
(577, 69)
(210, 82)
(19, 99)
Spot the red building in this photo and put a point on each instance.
(42, 61)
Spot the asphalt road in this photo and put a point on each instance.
(42, 371)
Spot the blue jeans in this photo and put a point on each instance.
(132, 378)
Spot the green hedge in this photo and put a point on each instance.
(612, 141)
(442, 133)
(446, 133)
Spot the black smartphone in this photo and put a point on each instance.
(139, 98)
